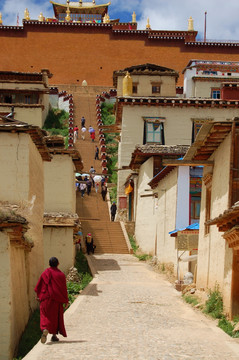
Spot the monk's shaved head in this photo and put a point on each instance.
(53, 262)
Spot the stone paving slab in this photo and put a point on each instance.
(129, 312)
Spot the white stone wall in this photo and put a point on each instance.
(214, 256)
(144, 87)
(5, 298)
(60, 185)
(21, 183)
(177, 127)
(145, 222)
(58, 242)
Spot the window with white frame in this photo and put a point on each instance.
(216, 93)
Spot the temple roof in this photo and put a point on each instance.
(146, 69)
(144, 152)
(76, 8)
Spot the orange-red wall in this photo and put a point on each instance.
(77, 53)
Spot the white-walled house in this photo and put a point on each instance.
(209, 79)
(153, 115)
(218, 251)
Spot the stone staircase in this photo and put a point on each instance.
(92, 210)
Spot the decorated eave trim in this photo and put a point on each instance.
(63, 23)
(179, 102)
(60, 219)
(91, 5)
(215, 78)
(212, 43)
(227, 219)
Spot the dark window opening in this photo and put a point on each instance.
(155, 89)
(216, 93)
(135, 88)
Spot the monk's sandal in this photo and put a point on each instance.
(54, 338)
(44, 336)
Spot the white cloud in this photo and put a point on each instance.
(222, 16)
(11, 8)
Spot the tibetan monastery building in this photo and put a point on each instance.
(81, 42)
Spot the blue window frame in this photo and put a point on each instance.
(216, 93)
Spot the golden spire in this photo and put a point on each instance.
(106, 19)
(0, 19)
(40, 17)
(190, 24)
(127, 85)
(26, 14)
(148, 27)
(68, 17)
(80, 2)
(134, 17)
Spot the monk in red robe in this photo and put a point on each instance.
(52, 293)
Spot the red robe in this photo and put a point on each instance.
(52, 292)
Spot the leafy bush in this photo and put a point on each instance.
(214, 305)
(57, 119)
(113, 193)
(107, 113)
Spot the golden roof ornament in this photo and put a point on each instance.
(127, 85)
(190, 24)
(40, 17)
(106, 19)
(80, 2)
(134, 17)
(148, 27)
(26, 15)
(68, 17)
(0, 18)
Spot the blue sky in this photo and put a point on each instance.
(222, 16)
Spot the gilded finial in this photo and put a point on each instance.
(0, 18)
(68, 17)
(127, 85)
(106, 19)
(80, 2)
(40, 17)
(190, 24)
(148, 27)
(26, 14)
(134, 17)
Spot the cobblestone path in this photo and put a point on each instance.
(129, 312)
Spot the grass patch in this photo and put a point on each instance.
(214, 304)
(143, 257)
(135, 247)
(190, 299)
(30, 336)
(133, 243)
(228, 327)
